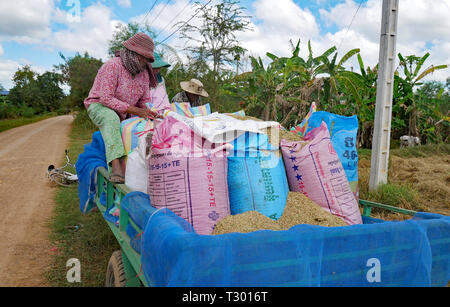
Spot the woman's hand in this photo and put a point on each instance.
(143, 112)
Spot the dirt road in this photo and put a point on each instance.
(26, 198)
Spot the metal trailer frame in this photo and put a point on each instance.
(131, 260)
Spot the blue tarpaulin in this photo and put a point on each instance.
(87, 164)
(414, 252)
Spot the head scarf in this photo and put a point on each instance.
(130, 61)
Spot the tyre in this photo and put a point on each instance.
(115, 273)
(59, 178)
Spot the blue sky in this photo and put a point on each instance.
(33, 32)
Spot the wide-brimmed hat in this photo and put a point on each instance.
(142, 44)
(194, 86)
(159, 62)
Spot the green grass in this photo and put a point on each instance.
(6, 124)
(94, 243)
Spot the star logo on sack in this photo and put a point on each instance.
(293, 159)
(299, 177)
(295, 168)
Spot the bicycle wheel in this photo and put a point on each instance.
(59, 179)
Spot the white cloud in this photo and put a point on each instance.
(124, 3)
(25, 21)
(90, 34)
(275, 23)
(423, 26)
(7, 70)
(165, 19)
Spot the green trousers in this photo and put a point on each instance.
(108, 122)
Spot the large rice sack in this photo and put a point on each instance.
(343, 131)
(313, 168)
(187, 179)
(256, 176)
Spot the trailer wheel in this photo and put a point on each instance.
(115, 273)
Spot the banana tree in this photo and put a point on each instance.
(339, 77)
(366, 107)
(412, 75)
(300, 84)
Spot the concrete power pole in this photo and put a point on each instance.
(385, 84)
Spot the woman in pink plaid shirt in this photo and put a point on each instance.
(121, 89)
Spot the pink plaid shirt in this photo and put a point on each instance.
(115, 88)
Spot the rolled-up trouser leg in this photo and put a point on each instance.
(108, 122)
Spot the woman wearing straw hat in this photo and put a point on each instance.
(192, 92)
(121, 88)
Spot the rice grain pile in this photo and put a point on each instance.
(249, 221)
(299, 210)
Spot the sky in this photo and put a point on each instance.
(34, 32)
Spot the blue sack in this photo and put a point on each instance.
(256, 177)
(343, 131)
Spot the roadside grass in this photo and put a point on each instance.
(94, 243)
(6, 124)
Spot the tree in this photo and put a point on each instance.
(79, 73)
(338, 76)
(50, 94)
(412, 76)
(24, 91)
(215, 38)
(2, 88)
(36, 94)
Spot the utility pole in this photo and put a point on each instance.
(385, 84)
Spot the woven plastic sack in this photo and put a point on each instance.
(184, 108)
(302, 128)
(257, 177)
(131, 129)
(136, 173)
(313, 168)
(343, 131)
(187, 180)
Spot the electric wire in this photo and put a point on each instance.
(184, 8)
(173, 33)
(349, 26)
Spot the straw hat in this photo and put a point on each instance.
(142, 44)
(194, 86)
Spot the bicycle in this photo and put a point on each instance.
(60, 176)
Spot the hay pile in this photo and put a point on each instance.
(299, 210)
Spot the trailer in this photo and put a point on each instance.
(414, 252)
